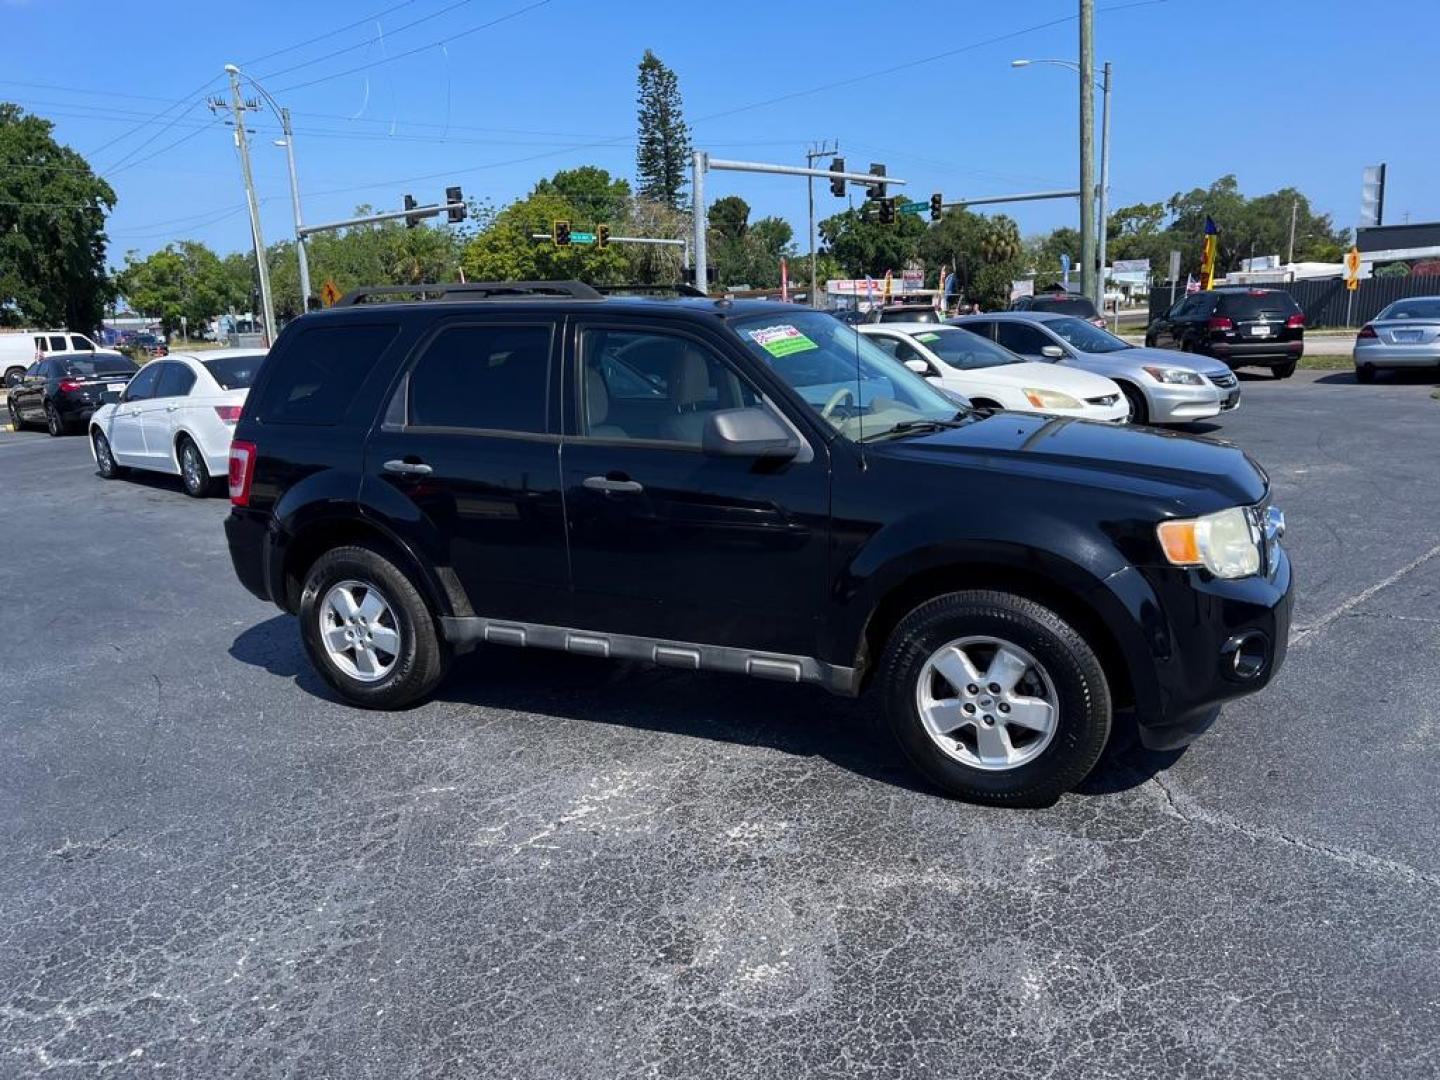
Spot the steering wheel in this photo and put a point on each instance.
(835, 399)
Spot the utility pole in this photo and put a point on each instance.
(1104, 187)
(1087, 149)
(1294, 207)
(239, 106)
(295, 205)
(821, 151)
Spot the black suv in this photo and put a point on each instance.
(1243, 327)
(748, 487)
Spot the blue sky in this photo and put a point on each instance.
(1303, 92)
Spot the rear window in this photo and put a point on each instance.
(235, 372)
(99, 364)
(1078, 306)
(910, 314)
(318, 376)
(1249, 305)
(1419, 308)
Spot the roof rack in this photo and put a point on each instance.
(678, 289)
(473, 290)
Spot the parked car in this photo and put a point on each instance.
(906, 313)
(149, 344)
(1061, 303)
(21, 348)
(1244, 327)
(748, 487)
(1162, 387)
(176, 417)
(991, 377)
(1406, 334)
(63, 391)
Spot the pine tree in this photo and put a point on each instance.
(663, 151)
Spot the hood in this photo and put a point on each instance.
(1143, 354)
(1197, 474)
(1070, 380)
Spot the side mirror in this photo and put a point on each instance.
(1053, 352)
(919, 367)
(110, 397)
(752, 433)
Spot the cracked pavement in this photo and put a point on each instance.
(562, 867)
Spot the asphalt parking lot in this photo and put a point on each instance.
(570, 868)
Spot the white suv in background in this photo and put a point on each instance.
(993, 377)
(21, 348)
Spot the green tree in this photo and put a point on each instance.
(652, 264)
(52, 228)
(662, 153)
(505, 251)
(729, 217)
(862, 246)
(597, 197)
(185, 280)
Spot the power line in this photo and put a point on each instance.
(182, 100)
(329, 33)
(363, 44)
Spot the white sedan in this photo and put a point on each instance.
(993, 377)
(176, 416)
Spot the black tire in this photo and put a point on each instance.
(13, 377)
(105, 457)
(1139, 408)
(1284, 371)
(194, 475)
(54, 422)
(1082, 711)
(15, 421)
(423, 656)
(1365, 373)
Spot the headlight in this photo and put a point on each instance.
(1174, 375)
(1222, 543)
(1049, 399)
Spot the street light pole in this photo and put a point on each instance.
(262, 267)
(1087, 147)
(289, 141)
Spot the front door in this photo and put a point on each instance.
(465, 466)
(669, 542)
(127, 440)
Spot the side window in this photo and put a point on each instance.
(57, 343)
(984, 329)
(81, 344)
(1020, 338)
(33, 370)
(905, 352)
(491, 378)
(889, 344)
(318, 375)
(52, 369)
(142, 386)
(176, 380)
(680, 383)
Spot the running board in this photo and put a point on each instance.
(472, 630)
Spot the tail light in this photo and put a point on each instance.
(229, 414)
(1219, 322)
(69, 386)
(1295, 322)
(1367, 331)
(242, 471)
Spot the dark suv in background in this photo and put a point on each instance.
(746, 487)
(1244, 327)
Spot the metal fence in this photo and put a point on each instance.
(1326, 301)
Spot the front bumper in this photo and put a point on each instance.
(1178, 403)
(1380, 355)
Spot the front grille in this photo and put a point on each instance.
(1226, 380)
(1108, 399)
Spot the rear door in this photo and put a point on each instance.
(29, 395)
(465, 465)
(127, 440)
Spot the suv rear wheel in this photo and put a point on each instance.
(368, 630)
(995, 698)
(1285, 370)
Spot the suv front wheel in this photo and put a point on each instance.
(995, 698)
(368, 630)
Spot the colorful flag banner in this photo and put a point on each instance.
(1207, 260)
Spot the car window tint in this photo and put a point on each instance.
(176, 380)
(985, 329)
(1417, 308)
(100, 363)
(235, 372)
(1021, 338)
(484, 377)
(57, 343)
(142, 386)
(320, 372)
(1065, 305)
(1250, 305)
(642, 385)
(78, 342)
(889, 344)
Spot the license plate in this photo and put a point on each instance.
(1407, 335)
(115, 386)
(1259, 331)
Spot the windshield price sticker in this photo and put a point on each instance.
(781, 340)
(927, 337)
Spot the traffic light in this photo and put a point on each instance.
(837, 186)
(887, 211)
(560, 231)
(411, 220)
(876, 190)
(454, 205)
(602, 235)
(937, 207)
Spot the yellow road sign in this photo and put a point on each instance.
(1352, 263)
(1352, 283)
(329, 293)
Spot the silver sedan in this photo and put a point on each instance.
(1162, 387)
(1406, 334)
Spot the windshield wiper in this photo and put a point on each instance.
(913, 427)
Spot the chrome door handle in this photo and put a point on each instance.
(604, 483)
(172, 408)
(408, 468)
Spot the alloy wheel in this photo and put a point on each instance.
(987, 703)
(190, 466)
(102, 454)
(359, 630)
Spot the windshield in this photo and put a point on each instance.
(99, 364)
(1422, 307)
(854, 386)
(1085, 336)
(235, 372)
(964, 350)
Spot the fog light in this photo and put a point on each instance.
(1245, 656)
